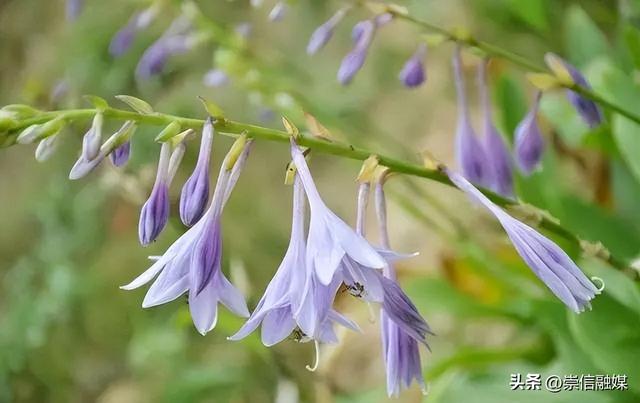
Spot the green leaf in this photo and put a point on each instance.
(616, 284)
(533, 12)
(97, 102)
(627, 135)
(136, 104)
(565, 120)
(583, 38)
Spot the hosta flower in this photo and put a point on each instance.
(293, 301)
(322, 35)
(413, 73)
(192, 264)
(195, 192)
(497, 153)
(354, 60)
(93, 138)
(120, 156)
(46, 148)
(469, 151)
(529, 144)
(122, 40)
(73, 9)
(175, 40)
(402, 327)
(215, 78)
(550, 263)
(155, 211)
(330, 238)
(278, 12)
(586, 108)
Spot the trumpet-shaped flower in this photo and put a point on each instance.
(155, 211)
(193, 263)
(469, 152)
(529, 144)
(548, 262)
(497, 153)
(195, 192)
(330, 239)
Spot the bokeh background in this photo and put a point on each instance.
(68, 334)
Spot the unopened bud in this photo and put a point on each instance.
(168, 132)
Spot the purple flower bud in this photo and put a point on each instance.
(122, 40)
(215, 78)
(354, 60)
(93, 138)
(498, 157)
(469, 152)
(324, 32)
(120, 155)
(529, 144)
(175, 40)
(361, 27)
(278, 12)
(413, 73)
(73, 9)
(587, 109)
(155, 212)
(243, 29)
(195, 192)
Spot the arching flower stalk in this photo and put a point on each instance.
(546, 259)
(497, 153)
(469, 151)
(192, 264)
(529, 144)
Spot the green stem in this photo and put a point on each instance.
(231, 128)
(518, 60)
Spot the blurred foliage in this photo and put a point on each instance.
(68, 334)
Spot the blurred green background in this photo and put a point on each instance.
(68, 334)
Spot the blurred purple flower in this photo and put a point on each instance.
(279, 11)
(587, 109)
(243, 29)
(73, 9)
(497, 153)
(155, 211)
(324, 32)
(330, 239)
(354, 60)
(529, 144)
(122, 40)
(177, 39)
(215, 78)
(195, 192)
(413, 73)
(548, 262)
(193, 262)
(469, 151)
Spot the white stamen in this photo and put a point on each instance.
(317, 360)
(598, 279)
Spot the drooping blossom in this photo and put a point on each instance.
(120, 156)
(413, 72)
(497, 153)
(400, 341)
(293, 302)
(469, 151)
(279, 11)
(322, 35)
(93, 138)
(529, 144)
(586, 108)
(155, 211)
(177, 39)
(122, 40)
(192, 264)
(195, 192)
(354, 60)
(46, 148)
(546, 259)
(330, 239)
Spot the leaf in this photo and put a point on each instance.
(136, 104)
(583, 38)
(533, 12)
(97, 102)
(627, 135)
(616, 284)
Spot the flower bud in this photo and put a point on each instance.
(120, 155)
(195, 192)
(93, 138)
(413, 73)
(354, 60)
(529, 144)
(278, 12)
(322, 35)
(46, 148)
(155, 211)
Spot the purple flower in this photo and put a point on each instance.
(324, 32)
(469, 152)
(587, 109)
(413, 72)
(497, 153)
(243, 29)
(354, 60)
(195, 192)
(155, 211)
(330, 239)
(73, 9)
(215, 78)
(120, 156)
(293, 300)
(175, 40)
(402, 327)
(193, 262)
(122, 40)
(550, 263)
(278, 12)
(93, 138)
(529, 144)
